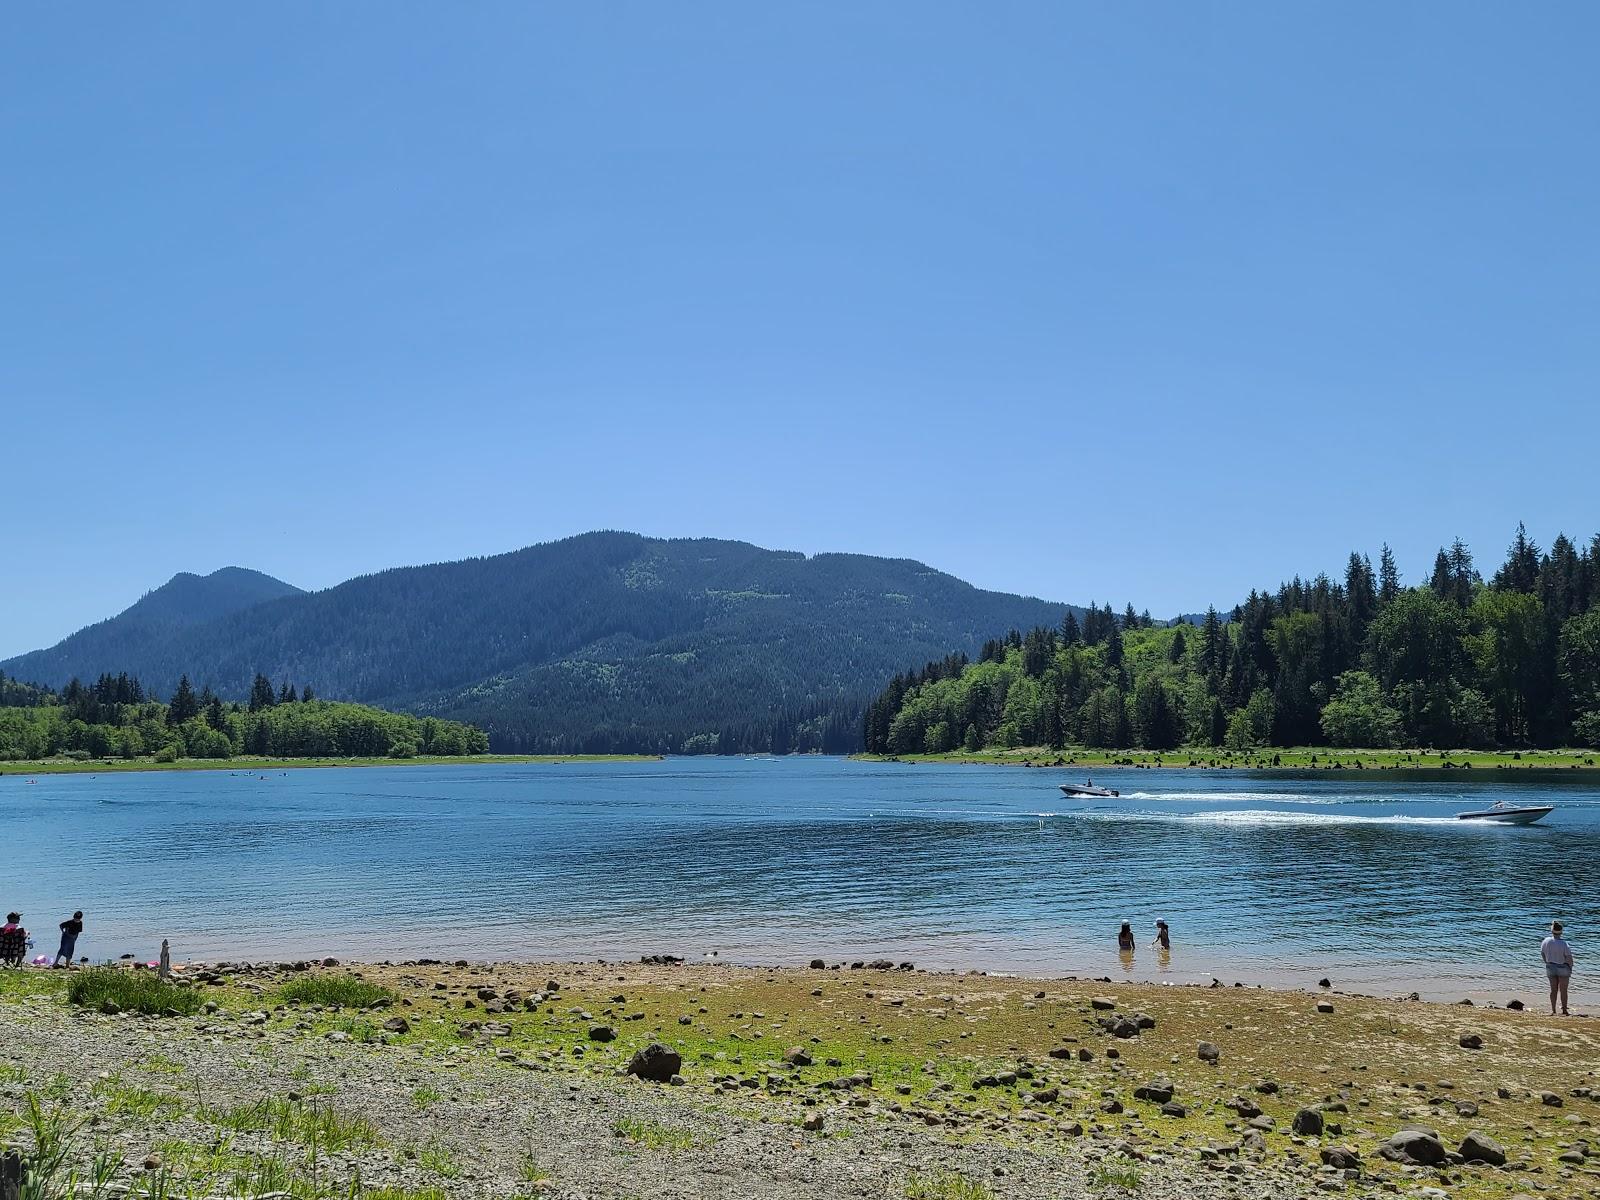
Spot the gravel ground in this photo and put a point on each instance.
(492, 1117)
(473, 1121)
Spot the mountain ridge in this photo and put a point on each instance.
(605, 640)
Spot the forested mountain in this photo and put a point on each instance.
(1457, 662)
(149, 624)
(606, 641)
(117, 717)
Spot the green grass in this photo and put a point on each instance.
(653, 1136)
(1116, 1173)
(946, 1187)
(423, 1098)
(316, 1124)
(440, 1158)
(335, 991)
(125, 1099)
(529, 1169)
(64, 766)
(131, 991)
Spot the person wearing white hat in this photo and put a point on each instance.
(1163, 937)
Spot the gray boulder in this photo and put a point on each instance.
(1308, 1122)
(1415, 1147)
(1480, 1147)
(1341, 1158)
(655, 1062)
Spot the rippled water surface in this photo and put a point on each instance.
(1278, 878)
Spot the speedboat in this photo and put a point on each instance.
(1089, 789)
(1503, 814)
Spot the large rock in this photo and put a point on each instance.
(602, 1033)
(1208, 1052)
(655, 1062)
(1415, 1147)
(1308, 1122)
(1341, 1158)
(1157, 1091)
(1120, 1027)
(1480, 1147)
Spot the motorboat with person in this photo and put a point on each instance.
(1088, 789)
(1502, 813)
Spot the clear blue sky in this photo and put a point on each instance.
(1130, 302)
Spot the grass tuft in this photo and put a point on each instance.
(948, 1186)
(131, 991)
(319, 1125)
(1116, 1173)
(652, 1136)
(335, 991)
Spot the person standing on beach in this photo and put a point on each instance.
(1557, 957)
(13, 941)
(70, 929)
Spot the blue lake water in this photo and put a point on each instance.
(1277, 878)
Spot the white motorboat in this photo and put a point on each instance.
(1089, 789)
(1504, 814)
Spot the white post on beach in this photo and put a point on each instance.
(166, 961)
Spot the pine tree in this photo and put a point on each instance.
(1388, 576)
(261, 695)
(184, 704)
(1071, 635)
(1521, 570)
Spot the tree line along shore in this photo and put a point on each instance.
(1294, 758)
(116, 719)
(1361, 665)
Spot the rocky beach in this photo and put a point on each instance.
(423, 1080)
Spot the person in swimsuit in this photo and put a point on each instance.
(1125, 938)
(1163, 937)
(1557, 957)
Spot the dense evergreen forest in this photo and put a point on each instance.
(603, 642)
(1513, 661)
(117, 717)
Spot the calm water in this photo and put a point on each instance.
(1278, 878)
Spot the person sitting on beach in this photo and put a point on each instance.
(70, 929)
(1163, 937)
(1557, 957)
(13, 941)
(1125, 938)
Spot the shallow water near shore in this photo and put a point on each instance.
(1277, 878)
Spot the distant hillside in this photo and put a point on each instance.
(149, 624)
(606, 641)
